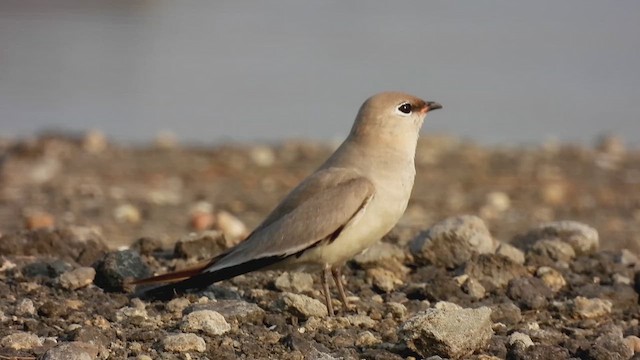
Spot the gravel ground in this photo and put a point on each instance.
(518, 253)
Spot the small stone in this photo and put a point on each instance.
(440, 331)
(127, 213)
(507, 313)
(583, 239)
(202, 245)
(78, 278)
(453, 241)
(94, 142)
(201, 221)
(21, 341)
(118, 266)
(207, 321)
(511, 252)
(633, 342)
(39, 220)
(384, 280)
(555, 250)
(184, 343)
(520, 339)
(262, 156)
(398, 310)
(609, 345)
(621, 279)
(297, 282)
(551, 277)
(494, 271)
(25, 307)
(627, 258)
(237, 311)
(591, 308)
(379, 254)
(302, 305)
(472, 287)
(146, 245)
(72, 351)
(530, 293)
(232, 227)
(367, 339)
(177, 305)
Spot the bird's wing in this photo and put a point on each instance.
(317, 210)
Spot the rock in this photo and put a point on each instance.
(472, 287)
(118, 266)
(210, 322)
(367, 339)
(146, 245)
(507, 313)
(232, 227)
(203, 245)
(72, 351)
(21, 341)
(78, 278)
(530, 293)
(46, 269)
(302, 306)
(591, 308)
(439, 331)
(25, 307)
(553, 249)
(177, 305)
(494, 271)
(633, 342)
(127, 213)
(39, 220)
(453, 241)
(233, 310)
(627, 258)
(383, 280)
(582, 238)
(520, 339)
(551, 277)
(609, 345)
(511, 252)
(201, 221)
(92, 335)
(94, 141)
(184, 343)
(136, 310)
(262, 156)
(297, 282)
(379, 254)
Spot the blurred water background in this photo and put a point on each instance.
(507, 72)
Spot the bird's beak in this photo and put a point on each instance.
(432, 105)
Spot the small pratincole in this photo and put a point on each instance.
(345, 206)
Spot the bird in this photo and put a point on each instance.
(348, 204)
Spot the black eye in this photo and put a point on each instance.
(405, 108)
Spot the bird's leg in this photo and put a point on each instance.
(326, 277)
(337, 276)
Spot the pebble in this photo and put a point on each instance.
(583, 238)
(74, 350)
(383, 279)
(553, 249)
(379, 254)
(206, 244)
(520, 339)
(633, 342)
(453, 241)
(551, 277)
(507, 313)
(233, 310)
(21, 341)
(232, 227)
(367, 339)
(494, 271)
(263, 156)
(117, 266)
(591, 308)
(302, 306)
(184, 343)
(627, 258)
(529, 293)
(511, 252)
(207, 321)
(25, 307)
(438, 331)
(177, 305)
(472, 287)
(297, 282)
(39, 220)
(146, 245)
(201, 221)
(127, 213)
(77, 278)
(609, 345)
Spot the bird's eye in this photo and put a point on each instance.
(405, 108)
